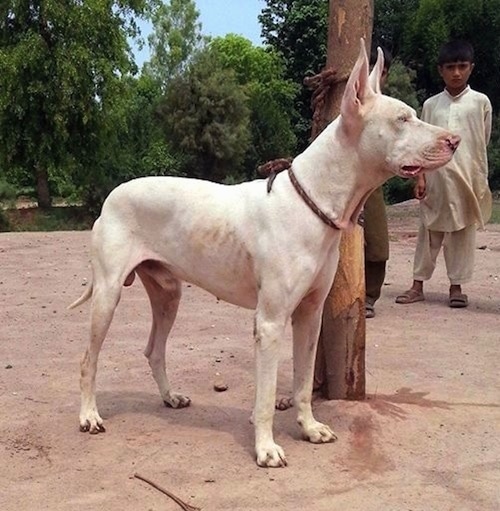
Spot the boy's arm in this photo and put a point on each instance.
(423, 114)
(487, 122)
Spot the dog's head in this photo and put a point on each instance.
(387, 132)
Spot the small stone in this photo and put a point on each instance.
(8, 366)
(219, 384)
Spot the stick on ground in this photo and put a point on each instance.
(182, 504)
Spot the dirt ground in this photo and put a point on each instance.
(426, 439)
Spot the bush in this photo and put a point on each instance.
(7, 197)
(494, 155)
(161, 160)
(7, 193)
(400, 84)
(398, 189)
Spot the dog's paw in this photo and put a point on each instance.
(319, 433)
(177, 401)
(271, 455)
(91, 423)
(283, 403)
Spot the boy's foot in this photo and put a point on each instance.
(410, 296)
(369, 310)
(458, 300)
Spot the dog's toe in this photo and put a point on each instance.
(177, 401)
(283, 403)
(320, 434)
(84, 427)
(98, 428)
(271, 457)
(92, 427)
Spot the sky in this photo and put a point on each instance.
(218, 18)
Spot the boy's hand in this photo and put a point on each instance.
(420, 189)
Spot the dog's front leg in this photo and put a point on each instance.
(268, 333)
(306, 323)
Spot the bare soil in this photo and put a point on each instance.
(427, 438)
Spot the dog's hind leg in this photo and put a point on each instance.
(105, 298)
(306, 324)
(164, 292)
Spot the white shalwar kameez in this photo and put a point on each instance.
(458, 198)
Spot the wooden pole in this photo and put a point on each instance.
(340, 363)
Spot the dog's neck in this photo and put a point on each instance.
(336, 177)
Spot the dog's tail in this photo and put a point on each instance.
(85, 296)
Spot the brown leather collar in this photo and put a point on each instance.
(314, 208)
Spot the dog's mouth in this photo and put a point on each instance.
(410, 170)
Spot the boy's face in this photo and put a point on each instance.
(456, 75)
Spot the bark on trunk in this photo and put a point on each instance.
(42, 188)
(340, 363)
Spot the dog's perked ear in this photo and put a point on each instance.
(358, 91)
(377, 72)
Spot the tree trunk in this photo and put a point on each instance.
(340, 363)
(42, 187)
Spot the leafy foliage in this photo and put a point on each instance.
(132, 143)
(270, 100)
(205, 114)
(494, 154)
(175, 38)
(391, 20)
(297, 30)
(61, 64)
(400, 84)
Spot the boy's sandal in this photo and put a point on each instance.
(410, 296)
(458, 301)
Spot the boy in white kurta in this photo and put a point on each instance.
(456, 198)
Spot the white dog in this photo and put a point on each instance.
(274, 252)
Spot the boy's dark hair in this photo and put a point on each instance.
(456, 51)
(387, 57)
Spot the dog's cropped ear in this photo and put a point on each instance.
(357, 90)
(377, 72)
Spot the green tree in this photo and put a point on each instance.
(494, 154)
(437, 21)
(391, 21)
(260, 71)
(132, 143)
(175, 38)
(297, 30)
(205, 115)
(401, 84)
(61, 65)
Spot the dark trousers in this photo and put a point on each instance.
(376, 245)
(374, 280)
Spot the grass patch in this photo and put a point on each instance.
(495, 213)
(67, 218)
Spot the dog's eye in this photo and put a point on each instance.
(403, 118)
